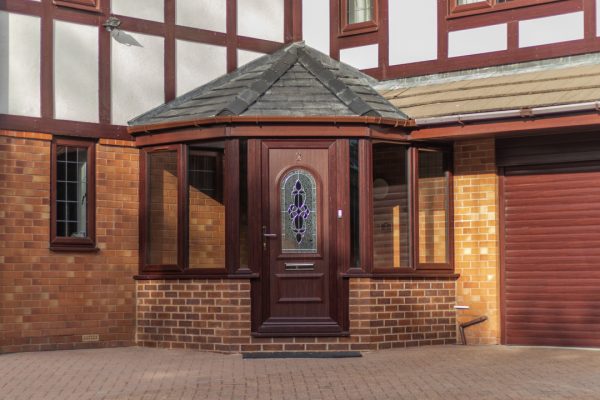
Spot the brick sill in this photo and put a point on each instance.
(170, 277)
(396, 275)
(74, 249)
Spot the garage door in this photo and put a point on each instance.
(551, 259)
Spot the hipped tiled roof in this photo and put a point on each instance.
(295, 81)
(549, 87)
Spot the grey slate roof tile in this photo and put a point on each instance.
(295, 81)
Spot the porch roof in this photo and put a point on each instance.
(296, 81)
(556, 86)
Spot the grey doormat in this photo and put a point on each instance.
(301, 354)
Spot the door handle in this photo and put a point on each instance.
(267, 236)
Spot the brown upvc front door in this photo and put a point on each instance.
(300, 280)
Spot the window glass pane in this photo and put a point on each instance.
(162, 208)
(244, 240)
(390, 206)
(360, 11)
(71, 192)
(354, 206)
(298, 199)
(206, 208)
(463, 2)
(433, 208)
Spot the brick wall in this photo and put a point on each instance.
(215, 315)
(476, 236)
(48, 300)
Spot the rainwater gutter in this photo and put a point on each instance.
(524, 112)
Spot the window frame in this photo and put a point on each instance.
(487, 6)
(348, 29)
(229, 161)
(60, 243)
(414, 268)
(144, 216)
(447, 154)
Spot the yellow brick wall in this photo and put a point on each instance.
(476, 237)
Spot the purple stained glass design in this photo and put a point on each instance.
(298, 211)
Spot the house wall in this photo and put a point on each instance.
(214, 315)
(48, 300)
(62, 71)
(476, 237)
(421, 37)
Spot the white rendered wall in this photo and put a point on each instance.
(75, 71)
(478, 40)
(362, 57)
(153, 10)
(315, 24)
(597, 17)
(262, 19)
(203, 14)
(558, 28)
(19, 64)
(137, 83)
(245, 56)
(415, 37)
(197, 64)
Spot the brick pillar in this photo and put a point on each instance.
(476, 237)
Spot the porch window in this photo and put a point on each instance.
(206, 209)
(358, 16)
(391, 225)
(183, 208)
(162, 208)
(73, 199)
(432, 208)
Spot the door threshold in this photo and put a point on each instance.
(300, 354)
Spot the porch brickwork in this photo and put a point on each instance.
(476, 237)
(48, 300)
(214, 315)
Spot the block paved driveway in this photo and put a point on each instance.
(444, 372)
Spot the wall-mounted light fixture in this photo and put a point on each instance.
(112, 25)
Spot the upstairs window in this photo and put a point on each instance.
(469, 7)
(72, 195)
(358, 16)
(87, 5)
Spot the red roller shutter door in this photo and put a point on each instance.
(551, 255)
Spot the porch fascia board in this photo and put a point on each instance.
(588, 121)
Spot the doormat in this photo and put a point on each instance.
(301, 354)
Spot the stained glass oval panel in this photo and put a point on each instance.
(298, 198)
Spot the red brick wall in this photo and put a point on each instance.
(48, 300)
(215, 315)
(476, 237)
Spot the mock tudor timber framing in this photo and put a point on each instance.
(49, 11)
